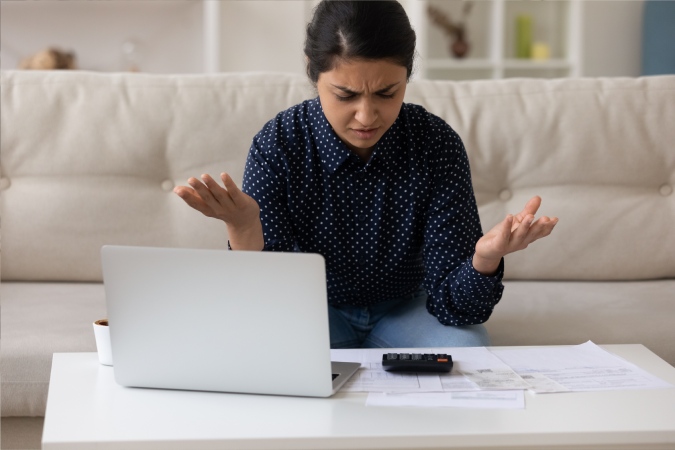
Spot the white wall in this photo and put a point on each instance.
(263, 35)
(612, 37)
(255, 34)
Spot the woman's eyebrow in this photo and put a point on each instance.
(346, 90)
(387, 88)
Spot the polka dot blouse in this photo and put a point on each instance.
(406, 218)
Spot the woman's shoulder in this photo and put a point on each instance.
(289, 121)
(286, 129)
(418, 116)
(427, 126)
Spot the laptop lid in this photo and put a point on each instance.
(218, 320)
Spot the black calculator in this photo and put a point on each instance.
(416, 362)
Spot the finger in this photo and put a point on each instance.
(518, 237)
(199, 187)
(217, 191)
(541, 227)
(235, 193)
(506, 227)
(193, 200)
(205, 194)
(531, 207)
(515, 222)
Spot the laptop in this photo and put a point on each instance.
(219, 320)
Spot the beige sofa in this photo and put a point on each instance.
(91, 159)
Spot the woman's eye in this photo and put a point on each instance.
(344, 98)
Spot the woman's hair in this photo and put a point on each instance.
(370, 30)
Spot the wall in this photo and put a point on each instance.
(273, 40)
(612, 36)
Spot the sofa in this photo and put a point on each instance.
(89, 159)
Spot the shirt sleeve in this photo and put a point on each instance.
(265, 180)
(458, 294)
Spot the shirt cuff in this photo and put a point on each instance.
(498, 276)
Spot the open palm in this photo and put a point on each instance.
(515, 232)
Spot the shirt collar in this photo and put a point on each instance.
(332, 151)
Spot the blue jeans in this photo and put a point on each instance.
(399, 323)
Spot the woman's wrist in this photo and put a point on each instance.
(246, 238)
(485, 266)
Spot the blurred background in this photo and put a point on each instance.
(457, 39)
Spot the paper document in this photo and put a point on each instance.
(496, 378)
(481, 399)
(372, 378)
(584, 367)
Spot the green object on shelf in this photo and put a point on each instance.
(523, 36)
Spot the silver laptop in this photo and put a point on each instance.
(218, 320)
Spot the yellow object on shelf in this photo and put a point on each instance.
(540, 51)
(523, 36)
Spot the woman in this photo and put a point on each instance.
(380, 188)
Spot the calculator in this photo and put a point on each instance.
(416, 362)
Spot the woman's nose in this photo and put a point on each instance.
(366, 113)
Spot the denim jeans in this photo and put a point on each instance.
(398, 323)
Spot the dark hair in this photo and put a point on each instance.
(369, 30)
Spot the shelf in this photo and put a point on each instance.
(533, 64)
(469, 63)
(481, 64)
(491, 35)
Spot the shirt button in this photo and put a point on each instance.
(362, 217)
(362, 261)
(666, 190)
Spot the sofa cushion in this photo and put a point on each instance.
(39, 319)
(556, 313)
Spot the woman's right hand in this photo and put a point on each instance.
(239, 211)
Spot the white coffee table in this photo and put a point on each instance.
(86, 409)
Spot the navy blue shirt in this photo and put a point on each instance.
(406, 218)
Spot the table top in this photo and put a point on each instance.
(86, 409)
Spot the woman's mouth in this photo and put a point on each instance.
(365, 133)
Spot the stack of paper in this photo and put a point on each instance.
(497, 378)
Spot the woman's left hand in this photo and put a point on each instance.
(512, 234)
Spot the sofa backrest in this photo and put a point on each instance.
(89, 159)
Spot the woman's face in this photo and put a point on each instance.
(361, 100)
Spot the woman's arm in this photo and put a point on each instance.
(464, 268)
(458, 293)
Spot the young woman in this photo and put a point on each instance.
(381, 188)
